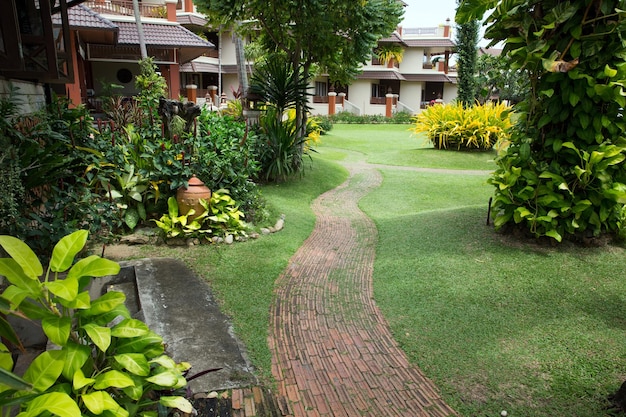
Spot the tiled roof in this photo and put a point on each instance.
(437, 77)
(394, 38)
(427, 43)
(191, 19)
(199, 67)
(381, 75)
(162, 35)
(81, 17)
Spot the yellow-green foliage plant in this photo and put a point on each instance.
(452, 126)
(105, 363)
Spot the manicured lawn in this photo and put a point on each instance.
(497, 324)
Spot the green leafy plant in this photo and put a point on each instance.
(563, 173)
(453, 126)
(221, 217)
(129, 193)
(174, 224)
(106, 363)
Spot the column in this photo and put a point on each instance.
(388, 105)
(192, 92)
(332, 101)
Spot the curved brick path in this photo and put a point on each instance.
(333, 354)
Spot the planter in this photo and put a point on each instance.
(189, 198)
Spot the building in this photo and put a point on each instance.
(423, 75)
(93, 44)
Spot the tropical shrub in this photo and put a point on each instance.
(45, 155)
(453, 126)
(221, 217)
(281, 146)
(104, 363)
(563, 174)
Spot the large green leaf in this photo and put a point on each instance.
(9, 379)
(79, 380)
(100, 335)
(57, 403)
(94, 266)
(75, 357)
(113, 378)
(23, 255)
(45, 369)
(179, 403)
(12, 270)
(57, 329)
(98, 401)
(105, 303)
(135, 363)
(66, 250)
(66, 289)
(166, 379)
(151, 341)
(130, 328)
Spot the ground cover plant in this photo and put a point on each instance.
(497, 323)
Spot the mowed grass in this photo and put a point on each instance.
(496, 323)
(397, 145)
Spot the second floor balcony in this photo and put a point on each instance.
(126, 8)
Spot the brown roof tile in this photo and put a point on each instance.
(162, 35)
(381, 75)
(191, 19)
(438, 77)
(82, 17)
(427, 43)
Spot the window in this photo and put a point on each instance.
(321, 88)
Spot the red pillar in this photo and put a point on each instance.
(332, 101)
(73, 90)
(192, 92)
(388, 105)
(171, 9)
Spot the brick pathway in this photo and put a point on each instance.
(333, 354)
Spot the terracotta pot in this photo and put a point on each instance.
(189, 198)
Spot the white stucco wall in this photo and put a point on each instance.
(411, 95)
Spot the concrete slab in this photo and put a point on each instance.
(179, 306)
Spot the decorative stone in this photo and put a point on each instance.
(280, 223)
(189, 198)
(265, 231)
(229, 239)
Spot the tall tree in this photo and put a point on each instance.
(336, 35)
(467, 44)
(563, 174)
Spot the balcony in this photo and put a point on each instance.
(125, 8)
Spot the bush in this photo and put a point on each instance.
(401, 117)
(452, 126)
(105, 362)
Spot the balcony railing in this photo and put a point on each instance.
(125, 8)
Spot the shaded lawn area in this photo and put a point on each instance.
(496, 323)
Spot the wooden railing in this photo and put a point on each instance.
(125, 8)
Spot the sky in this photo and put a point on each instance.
(428, 13)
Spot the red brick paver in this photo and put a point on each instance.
(333, 354)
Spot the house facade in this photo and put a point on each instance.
(423, 76)
(95, 44)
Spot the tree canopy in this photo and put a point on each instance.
(337, 35)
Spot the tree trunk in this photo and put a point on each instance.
(241, 65)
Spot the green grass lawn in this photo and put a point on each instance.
(497, 324)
